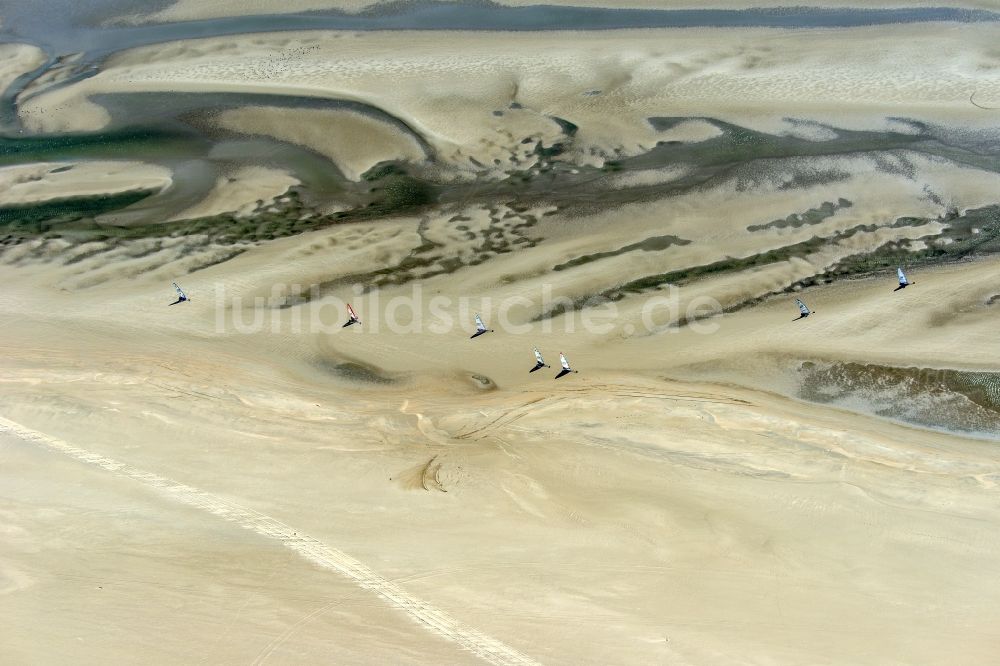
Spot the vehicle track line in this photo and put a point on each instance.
(433, 619)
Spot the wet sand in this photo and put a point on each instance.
(41, 182)
(239, 192)
(18, 59)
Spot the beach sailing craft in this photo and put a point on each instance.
(181, 296)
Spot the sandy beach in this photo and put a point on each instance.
(620, 517)
(239, 479)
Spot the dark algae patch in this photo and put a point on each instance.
(360, 373)
(654, 244)
(811, 216)
(504, 233)
(728, 265)
(355, 372)
(974, 233)
(940, 398)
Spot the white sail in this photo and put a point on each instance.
(480, 326)
(350, 311)
(565, 363)
(902, 276)
(802, 307)
(180, 292)
(538, 357)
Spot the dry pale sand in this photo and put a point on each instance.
(39, 182)
(231, 497)
(191, 10)
(456, 90)
(59, 110)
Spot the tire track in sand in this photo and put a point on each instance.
(432, 619)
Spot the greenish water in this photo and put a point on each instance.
(33, 220)
(127, 144)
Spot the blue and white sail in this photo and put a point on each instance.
(181, 296)
(539, 361)
(480, 327)
(902, 277)
(802, 308)
(565, 366)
